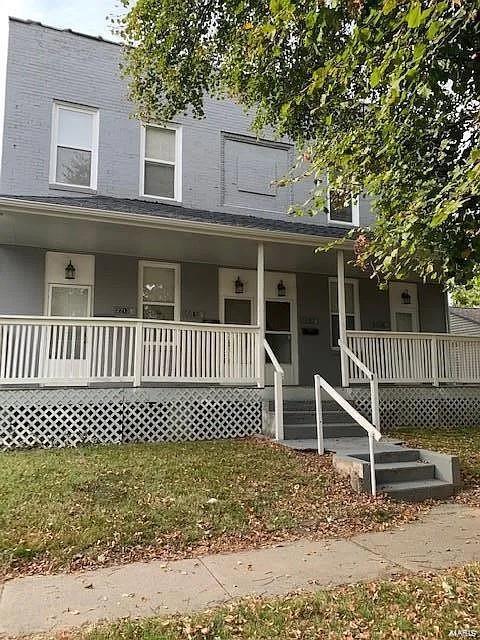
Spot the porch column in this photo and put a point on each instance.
(342, 319)
(261, 312)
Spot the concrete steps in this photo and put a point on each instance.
(403, 473)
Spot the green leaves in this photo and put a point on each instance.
(386, 94)
(376, 77)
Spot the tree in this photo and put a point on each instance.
(382, 96)
(467, 296)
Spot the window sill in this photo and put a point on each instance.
(71, 187)
(172, 201)
(338, 223)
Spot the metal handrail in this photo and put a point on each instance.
(373, 432)
(374, 393)
(278, 376)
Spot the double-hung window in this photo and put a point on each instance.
(352, 309)
(343, 208)
(74, 152)
(161, 170)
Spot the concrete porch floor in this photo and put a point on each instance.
(343, 445)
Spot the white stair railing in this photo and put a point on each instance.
(372, 377)
(373, 432)
(278, 391)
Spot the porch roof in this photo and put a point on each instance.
(127, 207)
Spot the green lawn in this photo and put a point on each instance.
(75, 508)
(430, 607)
(463, 442)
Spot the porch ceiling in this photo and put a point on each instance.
(93, 236)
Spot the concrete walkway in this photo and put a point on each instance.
(449, 535)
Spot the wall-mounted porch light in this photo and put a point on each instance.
(70, 271)
(281, 289)
(239, 286)
(406, 297)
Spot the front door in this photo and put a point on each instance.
(67, 347)
(404, 306)
(238, 305)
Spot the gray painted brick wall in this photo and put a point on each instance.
(45, 64)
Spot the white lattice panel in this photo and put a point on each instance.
(421, 406)
(69, 417)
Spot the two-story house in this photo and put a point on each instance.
(158, 264)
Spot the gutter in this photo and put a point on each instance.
(15, 206)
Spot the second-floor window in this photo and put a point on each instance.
(343, 209)
(74, 153)
(161, 170)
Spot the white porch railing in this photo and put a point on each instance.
(414, 357)
(46, 350)
(278, 391)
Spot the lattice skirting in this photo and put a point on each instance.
(69, 417)
(447, 407)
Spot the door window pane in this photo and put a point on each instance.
(158, 312)
(238, 311)
(70, 302)
(281, 345)
(159, 180)
(350, 322)
(74, 166)
(349, 297)
(277, 316)
(158, 284)
(404, 321)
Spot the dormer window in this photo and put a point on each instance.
(161, 170)
(74, 152)
(343, 209)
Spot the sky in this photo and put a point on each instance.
(86, 16)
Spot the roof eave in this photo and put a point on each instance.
(13, 205)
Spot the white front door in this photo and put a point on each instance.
(66, 348)
(238, 305)
(404, 306)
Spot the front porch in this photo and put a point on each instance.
(163, 313)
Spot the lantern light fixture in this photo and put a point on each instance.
(281, 289)
(239, 286)
(70, 271)
(406, 297)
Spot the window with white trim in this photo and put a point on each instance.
(159, 290)
(74, 152)
(161, 171)
(343, 208)
(352, 308)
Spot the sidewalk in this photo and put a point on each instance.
(449, 535)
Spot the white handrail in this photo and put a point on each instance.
(373, 432)
(374, 394)
(278, 391)
(356, 360)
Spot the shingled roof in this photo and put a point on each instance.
(465, 320)
(169, 212)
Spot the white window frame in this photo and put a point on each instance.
(66, 106)
(176, 304)
(177, 164)
(355, 213)
(356, 303)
